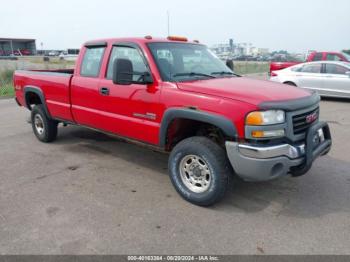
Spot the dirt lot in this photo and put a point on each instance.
(89, 193)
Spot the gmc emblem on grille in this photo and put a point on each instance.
(311, 118)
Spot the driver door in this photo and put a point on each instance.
(132, 110)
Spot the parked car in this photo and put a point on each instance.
(26, 52)
(176, 96)
(67, 57)
(312, 57)
(53, 53)
(327, 78)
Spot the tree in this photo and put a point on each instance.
(280, 52)
(346, 51)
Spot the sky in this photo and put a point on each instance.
(293, 25)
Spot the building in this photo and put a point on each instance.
(234, 50)
(221, 48)
(257, 51)
(17, 46)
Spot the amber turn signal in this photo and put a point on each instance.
(254, 119)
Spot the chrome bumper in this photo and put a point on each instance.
(260, 163)
(272, 151)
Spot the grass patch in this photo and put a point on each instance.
(7, 91)
(52, 61)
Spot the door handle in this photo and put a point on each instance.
(104, 91)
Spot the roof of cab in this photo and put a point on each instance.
(146, 39)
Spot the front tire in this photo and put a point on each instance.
(44, 128)
(199, 170)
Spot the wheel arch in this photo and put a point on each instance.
(223, 123)
(288, 82)
(29, 91)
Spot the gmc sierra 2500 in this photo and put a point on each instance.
(177, 96)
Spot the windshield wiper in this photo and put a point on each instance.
(224, 73)
(193, 74)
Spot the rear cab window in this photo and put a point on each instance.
(92, 60)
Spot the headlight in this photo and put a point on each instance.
(262, 118)
(258, 123)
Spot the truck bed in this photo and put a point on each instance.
(55, 84)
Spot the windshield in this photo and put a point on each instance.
(184, 61)
(347, 56)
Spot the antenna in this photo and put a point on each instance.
(168, 21)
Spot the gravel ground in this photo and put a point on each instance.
(88, 193)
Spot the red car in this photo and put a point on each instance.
(176, 96)
(314, 56)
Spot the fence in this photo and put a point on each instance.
(6, 88)
(251, 67)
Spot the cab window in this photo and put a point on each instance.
(131, 54)
(317, 57)
(92, 61)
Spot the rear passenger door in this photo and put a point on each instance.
(336, 81)
(86, 107)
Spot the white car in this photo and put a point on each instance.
(328, 78)
(53, 53)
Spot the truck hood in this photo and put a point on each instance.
(245, 89)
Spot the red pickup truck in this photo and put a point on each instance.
(314, 56)
(177, 96)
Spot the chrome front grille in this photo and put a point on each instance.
(301, 122)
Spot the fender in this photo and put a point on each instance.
(221, 122)
(39, 92)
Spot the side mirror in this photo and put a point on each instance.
(347, 73)
(229, 64)
(122, 72)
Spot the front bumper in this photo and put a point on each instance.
(261, 163)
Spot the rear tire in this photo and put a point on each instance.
(44, 128)
(199, 170)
